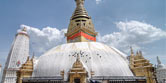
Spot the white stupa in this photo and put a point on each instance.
(16, 57)
(81, 38)
(161, 72)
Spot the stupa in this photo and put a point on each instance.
(83, 60)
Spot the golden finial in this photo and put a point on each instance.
(24, 29)
(132, 53)
(77, 63)
(80, 10)
(140, 53)
(28, 58)
(78, 57)
(137, 53)
(79, 2)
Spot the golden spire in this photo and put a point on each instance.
(79, 2)
(77, 63)
(80, 10)
(78, 57)
(132, 53)
(137, 54)
(81, 28)
(140, 53)
(28, 58)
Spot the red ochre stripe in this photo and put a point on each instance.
(82, 34)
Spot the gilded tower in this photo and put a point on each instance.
(77, 74)
(141, 66)
(17, 56)
(25, 70)
(81, 28)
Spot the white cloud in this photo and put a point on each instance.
(98, 1)
(132, 33)
(45, 39)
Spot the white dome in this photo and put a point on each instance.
(100, 58)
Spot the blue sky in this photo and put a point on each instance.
(106, 14)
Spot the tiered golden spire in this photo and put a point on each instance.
(132, 53)
(78, 71)
(78, 63)
(25, 70)
(141, 66)
(81, 28)
(80, 10)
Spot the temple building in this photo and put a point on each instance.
(142, 67)
(161, 72)
(25, 70)
(17, 56)
(80, 60)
